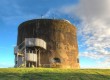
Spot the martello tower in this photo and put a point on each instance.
(47, 43)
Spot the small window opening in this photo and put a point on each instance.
(57, 60)
(77, 60)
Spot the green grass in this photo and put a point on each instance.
(53, 74)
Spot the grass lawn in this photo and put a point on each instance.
(53, 74)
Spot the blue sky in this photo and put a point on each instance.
(91, 21)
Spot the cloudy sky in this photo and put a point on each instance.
(91, 17)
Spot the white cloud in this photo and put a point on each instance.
(92, 55)
(95, 27)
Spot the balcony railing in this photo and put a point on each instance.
(35, 42)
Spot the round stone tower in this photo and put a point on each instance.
(48, 43)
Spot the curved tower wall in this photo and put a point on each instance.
(60, 37)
